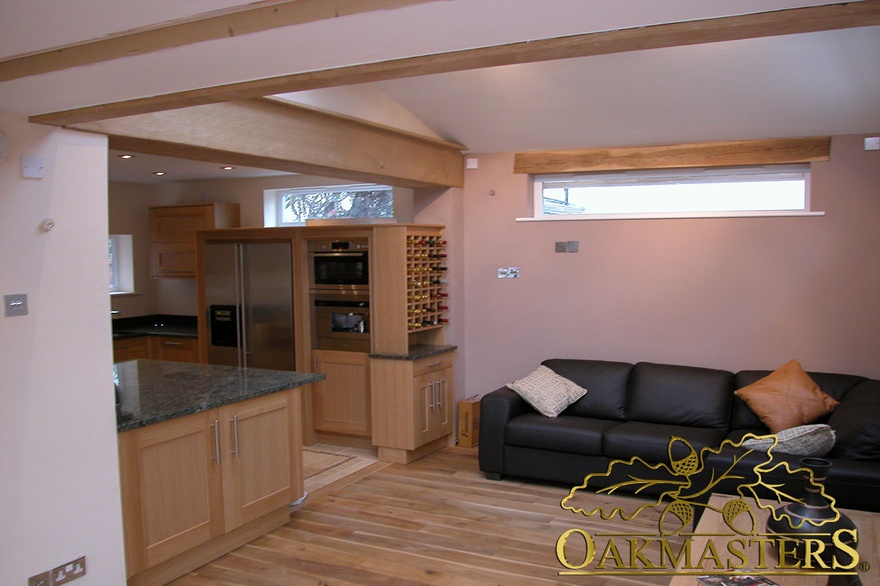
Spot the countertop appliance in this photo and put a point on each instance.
(248, 288)
(339, 266)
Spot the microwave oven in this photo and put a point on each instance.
(339, 265)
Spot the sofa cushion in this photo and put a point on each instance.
(856, 421)
(606, 381)
(578, 435)
(650, 441)
(804, 440)
(836, 385)
(546, 391)
(680, 395)
(786, 398)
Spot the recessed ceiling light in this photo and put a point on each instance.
(158, 173)
(227, 167)
(125, 156)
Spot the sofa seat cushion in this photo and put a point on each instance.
(680, 395)
(577, 435)
(650, 441)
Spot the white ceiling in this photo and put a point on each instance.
(796, 85)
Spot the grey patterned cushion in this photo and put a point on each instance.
(547, 392)
(804, 440)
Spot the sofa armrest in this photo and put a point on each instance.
(496, 409)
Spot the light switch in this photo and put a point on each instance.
(33, 167)
(15, 304)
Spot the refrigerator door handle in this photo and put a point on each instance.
(241, 302)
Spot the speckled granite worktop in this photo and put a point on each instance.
(417, 351)
(151, 391)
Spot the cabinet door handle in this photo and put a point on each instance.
(433, 395)
(235, 435)
(216, 426)
(437, 363)
(167, 343)
(441, 382)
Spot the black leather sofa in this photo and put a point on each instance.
(634, 410)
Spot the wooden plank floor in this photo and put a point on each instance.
(437, 521)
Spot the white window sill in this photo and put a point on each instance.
(669, 216)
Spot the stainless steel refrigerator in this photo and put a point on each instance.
(249, 298)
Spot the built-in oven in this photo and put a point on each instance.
(341, 322)
(339, 266)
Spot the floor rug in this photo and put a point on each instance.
(324, 464)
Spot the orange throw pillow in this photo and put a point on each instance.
(786, 398)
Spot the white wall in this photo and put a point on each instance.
(59, 483)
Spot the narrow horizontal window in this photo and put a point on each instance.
(295, 206)
(703, 192)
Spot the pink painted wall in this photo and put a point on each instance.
(736, 293)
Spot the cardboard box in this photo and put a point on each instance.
(469, 422)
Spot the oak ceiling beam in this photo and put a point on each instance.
(706, 154)
(732, 28)
(229, 23)
(273, 135)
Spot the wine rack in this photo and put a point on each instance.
(426, 294)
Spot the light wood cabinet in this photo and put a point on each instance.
(341, 402)
(174, 348)
(412, 405)
(196, 487)
(131, 349)
(172, 235)
(258, 466)
(171, 488)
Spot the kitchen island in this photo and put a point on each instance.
(210, 459)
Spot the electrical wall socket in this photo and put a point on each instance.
(40, 580)
(69, 571)
(508, 273)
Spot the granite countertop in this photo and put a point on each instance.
(151, 391)
(185, 326)
(417, 351)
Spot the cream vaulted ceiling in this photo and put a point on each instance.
(648, 90)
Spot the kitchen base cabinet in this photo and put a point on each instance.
(341, 402)
(201, 485)
(131, 349)
(412, 406)
(174, 348)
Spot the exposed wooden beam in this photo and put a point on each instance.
(252, 18)
(748, 26)
(269, 134)
(707, 154)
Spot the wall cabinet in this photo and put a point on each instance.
(413, 405)
(341, 402)
(194, 487)
(172, 235)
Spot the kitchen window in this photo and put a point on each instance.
(121, 264)
(294, 206)
(768, 190)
